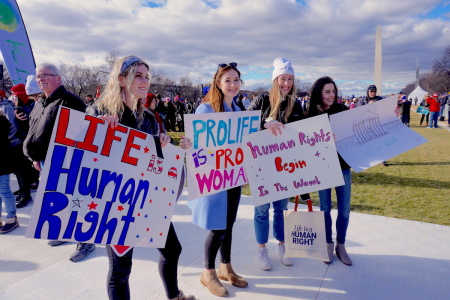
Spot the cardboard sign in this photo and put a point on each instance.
(371, 134)
(423, 110)
(302, 159)
(105, 185)
(215, 162)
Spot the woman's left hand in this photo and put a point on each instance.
(274, 127)
(164, 139)
(185, 143)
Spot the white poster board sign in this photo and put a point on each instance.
(104, 185)
(371, 134)
(301, 160)
(215, 162)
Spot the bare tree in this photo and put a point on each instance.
(158, 84)
(171, 87)
(441, 73)
(6, 82)
(111, 58)
(186, 89)
(261, 90)
(79, 79)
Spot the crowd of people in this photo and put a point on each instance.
(27, 120)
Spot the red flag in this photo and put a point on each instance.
(97, 93)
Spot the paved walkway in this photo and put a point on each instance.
(393, 259)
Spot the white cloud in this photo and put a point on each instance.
(183, 37)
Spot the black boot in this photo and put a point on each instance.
(24, 197)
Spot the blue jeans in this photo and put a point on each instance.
(434, 119)
(261, 221)
(343, 194)
(7, 196)
(441, 112)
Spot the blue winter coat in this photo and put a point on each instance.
(210, 212)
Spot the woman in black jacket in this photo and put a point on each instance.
(6, 167)
(323, 101)
(121, 102)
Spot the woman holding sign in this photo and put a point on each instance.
(121, 103)
(225, 86)
(323, 101)
(278, 108)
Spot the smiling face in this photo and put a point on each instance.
(230, 83)
(140, 83)
(48, 81)
(285, 83)
(328, 95)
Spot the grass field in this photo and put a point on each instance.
(415, 185)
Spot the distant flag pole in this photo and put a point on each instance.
(14, 43)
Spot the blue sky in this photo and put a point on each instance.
(189, 37)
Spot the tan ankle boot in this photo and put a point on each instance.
(330, 250)
(181, 296)
(342, 254)
(210, 280)
(227, 273)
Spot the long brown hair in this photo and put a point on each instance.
(215, 96)
(315, 98)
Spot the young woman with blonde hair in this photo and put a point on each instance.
(278, 108)
(121, 102)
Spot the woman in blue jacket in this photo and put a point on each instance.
(208, 210)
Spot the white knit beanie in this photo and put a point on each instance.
(32, 86)
(281, 66)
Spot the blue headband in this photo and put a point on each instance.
(128, 62)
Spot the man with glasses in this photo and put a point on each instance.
(372, 94)
(42, 120)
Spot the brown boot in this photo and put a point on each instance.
(342, 254)
(227, 273)
(210, 280)
(181, 296)
(330, 250)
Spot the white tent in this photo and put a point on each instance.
(419, 93)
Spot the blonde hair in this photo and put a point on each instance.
(215, 96)
(111, 100)
(275, 97)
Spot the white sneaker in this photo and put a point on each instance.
(287, 261)
(263, 259)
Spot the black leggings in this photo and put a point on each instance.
(222, 238)
(120, 269)
(423, 117)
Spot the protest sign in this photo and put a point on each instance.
(215, 160)
(422, 110)
(371, 134)
(302, 159)
(105, 185)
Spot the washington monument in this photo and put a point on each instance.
(378, 62)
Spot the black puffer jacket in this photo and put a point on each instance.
(5, 150)
(263, 103)
(42, 120)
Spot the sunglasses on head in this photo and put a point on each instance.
(232, 64)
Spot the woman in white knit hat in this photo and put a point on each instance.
(277, 109)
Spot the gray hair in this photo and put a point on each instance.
(54, 69)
